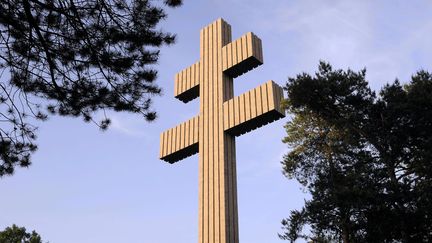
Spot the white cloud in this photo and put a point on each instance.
(132, 125)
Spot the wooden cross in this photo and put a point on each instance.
(222, 117)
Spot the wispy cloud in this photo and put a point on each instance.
(132, 125)
(356, 34)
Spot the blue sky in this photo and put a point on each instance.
(88, 186)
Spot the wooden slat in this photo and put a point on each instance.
(234, 53)
(258, 101)
(216, 130)
(168, 142)
(281, 97)
(186, 134)
(242, 108)
(264, 95)
(210, 136)
(229, 55)
(206, 132)
(260, 50)
(231, 112)
(247, 106)
(181, 135)
(165, 152)
(226, 115)
(237, 111)
(181, 82)
(195, 124)
(244, 47)
(191, 131)
(188, 79)
(271, 95)
(253, 103)
(249, 44)
(239, 50)
(255, 46)
(173, 139)
(201, 144)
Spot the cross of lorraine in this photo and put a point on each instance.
(221, 118)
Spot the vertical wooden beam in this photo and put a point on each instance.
(201, 144)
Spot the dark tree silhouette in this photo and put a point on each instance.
(17, 234)
(364, 158)
(73, 58)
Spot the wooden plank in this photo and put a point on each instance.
(181, 81)
(234, 53)
(232, 189)
(173, 140)
(258, 101)
(271, 95)
(188, 79)
(244, 47)
(226, 115)
(181, 136)
(239, 50)
(231, 112)
(255, 46)
(192, 128)
(178, 134)
(249, 43)
(193, 78)
(168, 143)
(253, 103)
(218, 102)
(229, 55)
(224, 56)
(247, 106)
(260, 50)
(281, 97)
(196, 79)
(264, 95)
(234, 186)
(194, 74)
(206, 135)
(187, 134)
(211, 132)
(222, 152)
(242, 108)
(236, 111)
(201, 146)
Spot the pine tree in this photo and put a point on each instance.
(74, 58)
(17, 234)
(364, 158)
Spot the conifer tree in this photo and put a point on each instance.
(74, 58)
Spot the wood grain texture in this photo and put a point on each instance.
(221, 117)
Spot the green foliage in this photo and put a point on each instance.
(364, 158)
(17, 234)
(74, 58)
